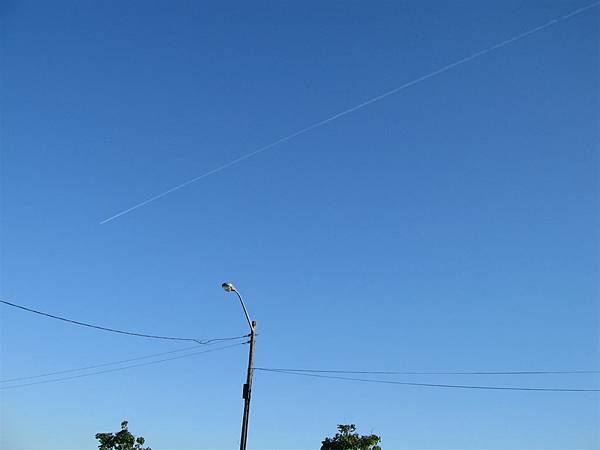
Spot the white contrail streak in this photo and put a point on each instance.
(357, 107)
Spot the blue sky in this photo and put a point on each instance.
(453, 226)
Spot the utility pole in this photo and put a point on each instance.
(247, 391)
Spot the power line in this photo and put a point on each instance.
(435, 385)
(371, 372)
(129, 333)
(121, 368)
(357, 107)
(95, 366)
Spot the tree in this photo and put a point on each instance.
(123, 440)
(348, 439)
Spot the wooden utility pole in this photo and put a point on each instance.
(247, 392)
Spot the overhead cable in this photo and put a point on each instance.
(514, 372)
(129, 333)
(432, 385)
(95, 366)
(54, 380)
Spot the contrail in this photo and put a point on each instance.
(357, 107)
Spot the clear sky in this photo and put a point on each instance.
(450, 227)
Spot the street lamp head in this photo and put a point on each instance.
(228, 287)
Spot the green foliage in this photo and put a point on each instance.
(123, 440)
(348, 439)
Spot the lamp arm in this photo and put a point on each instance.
(245, 311)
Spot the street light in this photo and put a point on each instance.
(247, 391)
